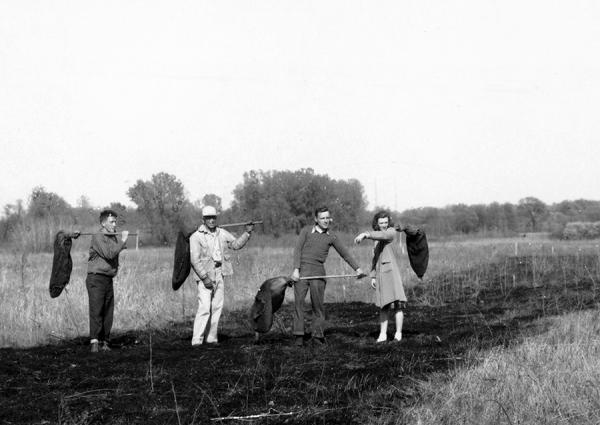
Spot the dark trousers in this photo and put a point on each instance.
(102, 305)
(317, 294)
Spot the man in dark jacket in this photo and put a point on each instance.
(103, 265)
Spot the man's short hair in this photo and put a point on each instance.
(320, 209)
(107, 213)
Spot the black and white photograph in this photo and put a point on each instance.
(299, 212)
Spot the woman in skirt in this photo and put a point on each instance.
(385, 273)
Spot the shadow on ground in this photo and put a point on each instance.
(156, 377)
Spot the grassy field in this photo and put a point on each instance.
(144, 298)
(551, 378)
(500, 331)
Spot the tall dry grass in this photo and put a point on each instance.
(549, 378)
(143, 294)
(144, 298)
(552, 378)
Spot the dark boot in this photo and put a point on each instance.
(319, 341)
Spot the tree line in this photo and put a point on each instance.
(528, 215)
(285, 201)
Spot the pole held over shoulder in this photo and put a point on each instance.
(240, 224)
(95, 233)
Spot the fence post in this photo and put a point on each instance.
(137, 239)
(516, 249)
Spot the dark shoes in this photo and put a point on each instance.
(316, 341)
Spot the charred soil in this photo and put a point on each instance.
(157, 377)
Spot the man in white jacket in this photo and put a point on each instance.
(209, 256)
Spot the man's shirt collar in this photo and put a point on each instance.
(317, 229)
(204, 229)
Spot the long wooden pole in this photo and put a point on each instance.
(333, 276)
(137, 233)
(240, 224)
(110, 234)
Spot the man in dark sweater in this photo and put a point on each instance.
(103, 265)
(310, 254)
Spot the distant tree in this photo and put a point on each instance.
(83, 202)
(432, 219)
(43, 204)
(510, 216)
(161, 200)
(118, 207)
(13, 217)
(15, 209)
(579, 210)
(483, 222)
(247, 195)
(494, 217)
(212, 200)
(121, 210)
(465, 219)
(556, 223)
(349, 203)
(285, 200)
(533, 210)
(591, 210)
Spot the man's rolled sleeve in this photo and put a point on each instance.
(234, 243)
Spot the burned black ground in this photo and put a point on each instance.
(156, 377)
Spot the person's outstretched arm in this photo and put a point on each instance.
(376, 235)
(345, 254)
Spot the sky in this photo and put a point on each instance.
(426, 103)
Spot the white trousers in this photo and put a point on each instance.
(210, 306)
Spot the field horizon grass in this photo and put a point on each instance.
(490, 337)
(144, 298)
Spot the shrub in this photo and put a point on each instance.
(582, 230)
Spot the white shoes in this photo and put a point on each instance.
(383, 338)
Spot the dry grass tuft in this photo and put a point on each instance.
(550, 378)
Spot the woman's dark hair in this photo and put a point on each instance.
(382, 214)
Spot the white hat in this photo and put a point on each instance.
(208, 211)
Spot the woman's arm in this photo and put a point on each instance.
(377, 235)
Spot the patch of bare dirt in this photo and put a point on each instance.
(156, 377)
